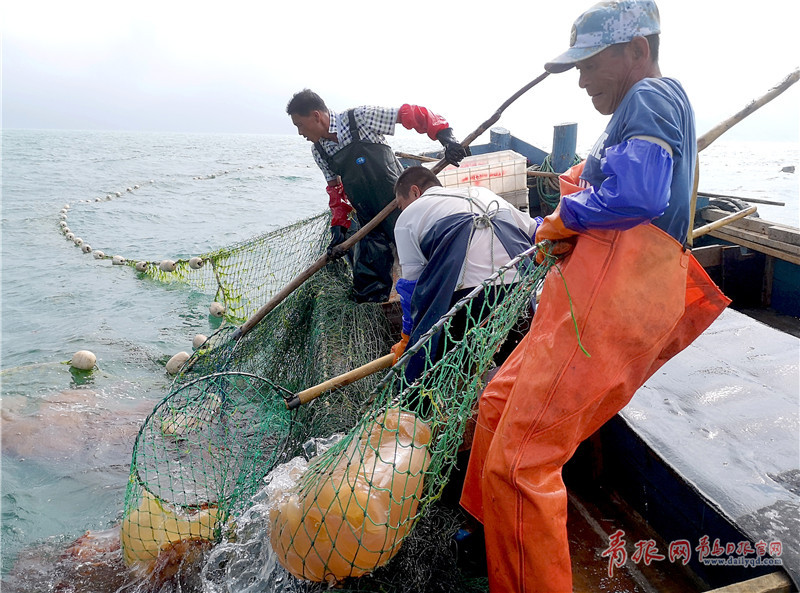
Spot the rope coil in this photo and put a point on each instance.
(548, 186)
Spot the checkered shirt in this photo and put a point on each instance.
(373, 122)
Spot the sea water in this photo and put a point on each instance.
(66, 435)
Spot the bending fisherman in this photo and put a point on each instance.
(360, 167)
(637, 295)
(449, 240)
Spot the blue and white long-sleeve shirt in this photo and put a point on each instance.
(485, 253)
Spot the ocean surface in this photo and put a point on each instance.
(67, 435)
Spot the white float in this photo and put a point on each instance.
(175, 363)
(118, 260)
(99, 255)
(86, 248)
(141, 266)
(196, 263)
(167, 265)
(216, 309)
(83, 360)
(198, 341)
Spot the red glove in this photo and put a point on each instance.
(339, 204)
(553, 229)
(414, 117)
(400, 347)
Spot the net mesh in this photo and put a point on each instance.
(205, 449)
(357, 502)
(244, 275)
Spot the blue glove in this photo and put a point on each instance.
(405, 288)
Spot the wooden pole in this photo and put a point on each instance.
(707, 194)
(493, 119)
(712, 226)
(305, 396)
(717, 131)
(417, 157)
(542, 174)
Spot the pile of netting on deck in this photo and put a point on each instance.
(206, 448)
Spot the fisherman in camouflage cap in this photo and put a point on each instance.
(606, 24)
(620, 229)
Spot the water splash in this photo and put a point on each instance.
(244, 561)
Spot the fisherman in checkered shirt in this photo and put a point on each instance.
(361, 170)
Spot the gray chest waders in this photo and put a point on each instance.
(368, 173)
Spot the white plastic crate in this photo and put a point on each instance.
(503, 172)
(517, 198)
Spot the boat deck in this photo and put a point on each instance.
(723, 417)
(756, 263)
(708, 447)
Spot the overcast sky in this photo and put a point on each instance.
(231, 66)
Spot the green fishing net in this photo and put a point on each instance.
(206, 448)
(243, 276)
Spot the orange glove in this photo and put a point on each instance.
(400, 347)
(553, 229)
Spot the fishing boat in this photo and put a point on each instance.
(694, 486)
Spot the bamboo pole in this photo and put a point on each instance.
(712, 226)
(707, 194)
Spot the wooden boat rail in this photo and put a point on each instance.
(778, 240)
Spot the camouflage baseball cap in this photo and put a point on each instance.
(605, 24)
